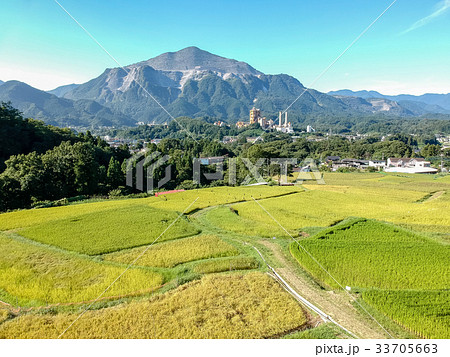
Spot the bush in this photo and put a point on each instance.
(217, 183)
(347, 169)
(187, 185)
(57, 203)
(115, 193)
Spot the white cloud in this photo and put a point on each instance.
(440, 9)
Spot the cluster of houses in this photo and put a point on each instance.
(403, 165)
(116, 142)
(133, 143)
(444, 140)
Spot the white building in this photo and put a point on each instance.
(286, 127)
(377, 163)
(409, 166)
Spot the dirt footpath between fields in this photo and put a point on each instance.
(435, 196)
(336, 305)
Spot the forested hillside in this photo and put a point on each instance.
(40, 162)
(21, 136)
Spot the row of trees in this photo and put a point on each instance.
(90, 167)
(178, 130)
(282, 145)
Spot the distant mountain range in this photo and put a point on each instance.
(61, 91)
(194, 83)
(53, 110)
(435, 103)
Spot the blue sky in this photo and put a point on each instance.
(406, 51)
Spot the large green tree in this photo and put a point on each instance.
(114, 174)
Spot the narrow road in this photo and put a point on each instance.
(335, 305)
(300, 298)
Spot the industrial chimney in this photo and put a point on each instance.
(279, 117)
(285, 120)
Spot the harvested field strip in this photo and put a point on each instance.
(435, 196)
(19, 309)
(180, 251)
(227, 264)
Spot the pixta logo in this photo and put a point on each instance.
(307, 169)
(145, 172)
(141, 171)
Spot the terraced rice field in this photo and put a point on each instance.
(323, 205)
(56, 258)
(112, 230)
(369, 254)
(424, 313)
(403, 274)
(32, 275)
(236, 306)
(200, 279)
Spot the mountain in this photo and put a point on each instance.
(193, 82)
(1, 82)
(434, 103)
(440, 100)
(41, 105)
(194, 59)
(189, 82)
(378, 105)
(60, 91)
(360, 94)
